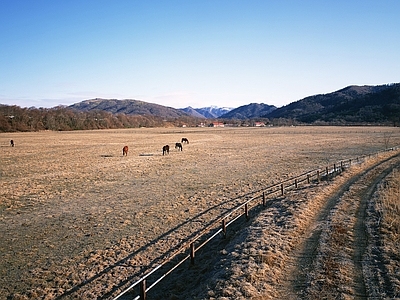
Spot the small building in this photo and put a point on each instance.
(218, 124)
(259, 124)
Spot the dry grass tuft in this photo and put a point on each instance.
(389, 208)
(390, 197)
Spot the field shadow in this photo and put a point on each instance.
(157, 260)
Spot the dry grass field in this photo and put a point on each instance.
(71, 206)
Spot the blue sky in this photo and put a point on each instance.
(193, 53)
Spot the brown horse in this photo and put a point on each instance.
(125, 151)
(165, 150)
(185, 140)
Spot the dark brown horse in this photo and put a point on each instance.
(125, 151)
(165, 150)
(185, 140)
(179, 146)
(12, 143)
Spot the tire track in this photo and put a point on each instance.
(329, 262)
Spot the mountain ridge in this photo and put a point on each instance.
(128, 107)
(352, 104)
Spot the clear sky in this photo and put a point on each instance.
(195, 53)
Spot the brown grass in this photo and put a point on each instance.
(390, 198)
(389, 207)
(71, 206)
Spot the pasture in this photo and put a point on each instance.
(71, 204)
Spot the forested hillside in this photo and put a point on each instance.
(351, 105)
(129, 107)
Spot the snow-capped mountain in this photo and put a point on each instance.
(210, 112)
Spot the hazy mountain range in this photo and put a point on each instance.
(353, 104)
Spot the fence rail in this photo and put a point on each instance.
(220, 225)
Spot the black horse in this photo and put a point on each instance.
(12, 143)
(185, 140)
(179, 146)
(165, 150)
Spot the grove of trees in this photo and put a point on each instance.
(14, 118)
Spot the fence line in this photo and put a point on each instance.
(225, 221)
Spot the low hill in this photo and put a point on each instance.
(353, 104)
(128, 107)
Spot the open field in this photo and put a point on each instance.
(71, 205)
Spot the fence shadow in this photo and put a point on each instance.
(122, 261)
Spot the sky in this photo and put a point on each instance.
(196, 53)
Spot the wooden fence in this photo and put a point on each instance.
(220, 225)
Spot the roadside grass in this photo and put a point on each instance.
(389, 206)
(390, 201)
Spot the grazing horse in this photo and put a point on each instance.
(12, 143)
(165, 150)
(185, 140)
(125, 151)
(179, 146)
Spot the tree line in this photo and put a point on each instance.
(60, 118)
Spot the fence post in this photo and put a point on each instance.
(224, 227)
(349, 162)
(143, 289)
(334, 168)
(308, 178)
(246, 211)
(318, 176)
(327, 172)
(295, 183)
(263, 198)
(192, 253)
(341, 166)
(282, 189)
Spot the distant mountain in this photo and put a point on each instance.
(128, 107)
(353, 104)
(211, 112)
(192, 112)
(253, 110)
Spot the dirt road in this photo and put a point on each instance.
(312, 244)
(330, 261)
